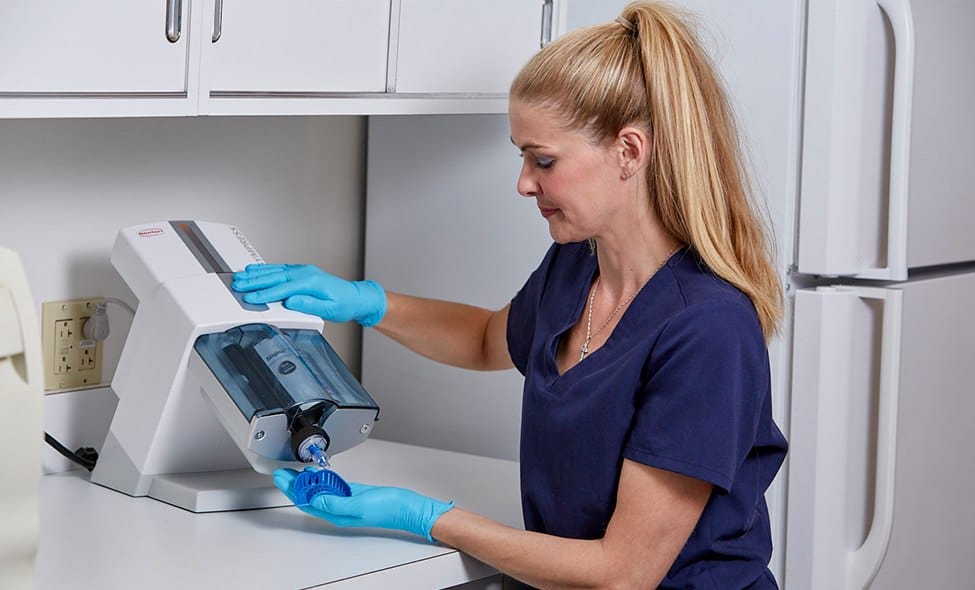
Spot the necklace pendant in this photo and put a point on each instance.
(584, 351)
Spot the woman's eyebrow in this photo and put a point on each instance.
(526, 146)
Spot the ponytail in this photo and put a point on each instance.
(648, 69)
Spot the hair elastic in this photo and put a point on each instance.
(628, 25)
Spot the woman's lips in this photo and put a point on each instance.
(546, 213)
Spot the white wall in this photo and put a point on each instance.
(470, 238)
(294, 186)
(590, 12)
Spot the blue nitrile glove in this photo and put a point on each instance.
(371, 506)
(309, 289)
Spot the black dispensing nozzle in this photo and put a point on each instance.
(308, 441)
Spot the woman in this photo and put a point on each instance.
(647, 437)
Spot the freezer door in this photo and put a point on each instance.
(880, 464)
(887, 137)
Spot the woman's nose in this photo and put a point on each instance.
(527, 185)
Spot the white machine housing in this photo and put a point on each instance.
(176, 434)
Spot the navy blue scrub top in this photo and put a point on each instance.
(682, 384)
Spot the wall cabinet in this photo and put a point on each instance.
(476, 47)
(308, 46)
(89, 46)
(85, 58)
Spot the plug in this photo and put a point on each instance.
(96, 328)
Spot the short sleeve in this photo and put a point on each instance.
(707, 380)
(523, 313)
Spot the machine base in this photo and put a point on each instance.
(238, 489)
(205, 491)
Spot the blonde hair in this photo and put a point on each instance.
(648, 69)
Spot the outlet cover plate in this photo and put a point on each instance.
(70, 361)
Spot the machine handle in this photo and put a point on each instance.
(217, 20)
(174, 20)
(902, 24)
(546, 36)
(865, 561)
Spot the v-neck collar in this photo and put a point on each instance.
(621, 331)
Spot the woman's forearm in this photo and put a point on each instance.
(452, 333)
(543, 561)
(655, 512)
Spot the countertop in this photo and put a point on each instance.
(94, 537)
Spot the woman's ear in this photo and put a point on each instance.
(634, 147)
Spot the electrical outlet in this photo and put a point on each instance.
(70, 361)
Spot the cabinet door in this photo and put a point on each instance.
(88, 46)
(451, 46)
(296, 46)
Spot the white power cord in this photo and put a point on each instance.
(96, 328)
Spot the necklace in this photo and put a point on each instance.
(584, 350)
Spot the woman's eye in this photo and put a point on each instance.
(544, 162)
(540, 162)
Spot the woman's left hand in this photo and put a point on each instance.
(370, 506)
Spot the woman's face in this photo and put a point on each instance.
(575, 184)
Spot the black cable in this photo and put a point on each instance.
(84, 456)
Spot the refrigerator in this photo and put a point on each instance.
(856, 117)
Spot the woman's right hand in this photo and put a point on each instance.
(308, 289)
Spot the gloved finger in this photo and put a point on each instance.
(257, 283)
(262, 281)
(358, 488)
(280, 291)
(252, 269)
(335, 519)
(315, 306)
(342, 520)
(256, 270)
(307, 509)
(337, 505)
(289, 495)
(285, 474)
(284, 479)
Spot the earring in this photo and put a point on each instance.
(624, 176)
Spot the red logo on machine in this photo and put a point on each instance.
(149, 232)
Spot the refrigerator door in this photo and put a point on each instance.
(887, 137)
(880, 477)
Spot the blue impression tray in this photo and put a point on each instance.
(308, 484)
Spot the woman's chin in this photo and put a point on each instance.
(562, 237)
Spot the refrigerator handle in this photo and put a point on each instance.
(836, 70)
(902, 24)
(817, 481)
(865, 561)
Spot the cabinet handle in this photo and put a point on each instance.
(174, 19)
(546, 23)
(217, 20)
